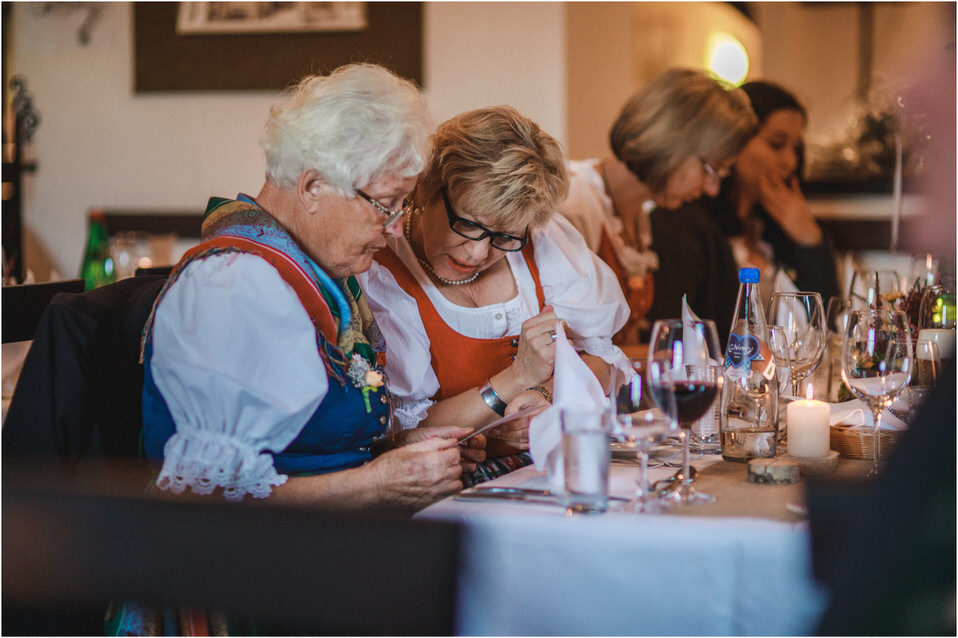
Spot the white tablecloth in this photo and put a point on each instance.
(531, 570)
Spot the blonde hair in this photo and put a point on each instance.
(500, 163)
(353, 126)
(680, 113)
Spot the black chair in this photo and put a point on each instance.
(23, 305)
(71, 547)
(78, 394)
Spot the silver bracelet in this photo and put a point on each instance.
(493, 400)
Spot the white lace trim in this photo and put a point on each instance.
(603, 348)
(204, 461)
(408, 412)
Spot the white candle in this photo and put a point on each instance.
(808, 433)
(944, 337)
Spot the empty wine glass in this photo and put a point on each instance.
(874, 288)
(876, 362)
(694, 373)
(640, 425)
(802, 317)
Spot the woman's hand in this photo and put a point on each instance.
(786, 204)
(420, 473)
(535, 358)
(472, 451)
(516, 433)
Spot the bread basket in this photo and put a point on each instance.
(858, 442)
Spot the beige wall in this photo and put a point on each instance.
(566, 65)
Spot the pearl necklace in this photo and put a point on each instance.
(425, 264)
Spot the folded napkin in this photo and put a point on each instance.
(693, 343)
(573, 386)
(856, 413)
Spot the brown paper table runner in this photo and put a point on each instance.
(735, 496)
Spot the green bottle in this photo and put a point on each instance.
(97, 269)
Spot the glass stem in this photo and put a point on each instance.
(796, 385)
(877, 443)
(642, 487)
(686, 479)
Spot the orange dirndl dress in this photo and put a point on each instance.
(462, 362)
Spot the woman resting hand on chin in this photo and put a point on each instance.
(469, 297)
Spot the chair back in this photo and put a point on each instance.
(23, 305)
(78, 394)
(293, 570)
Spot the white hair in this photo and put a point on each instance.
(353, 126)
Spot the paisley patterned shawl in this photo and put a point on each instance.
(350, 321)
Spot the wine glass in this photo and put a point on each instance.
(802, 317)
(876, 362)
(694, 373)
(874, 288)
(641, 425)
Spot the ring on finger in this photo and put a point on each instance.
(552, 334)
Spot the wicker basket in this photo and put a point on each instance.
(858, 443)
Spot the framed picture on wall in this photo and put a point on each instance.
(269, 17)
(248, 46)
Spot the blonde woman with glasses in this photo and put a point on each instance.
(469, 297)
(673, 142)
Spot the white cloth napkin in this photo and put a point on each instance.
(693, 342)
(573, 386)
(857, 414)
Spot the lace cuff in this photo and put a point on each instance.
(204, 461)
(409, 412)
(603, 348)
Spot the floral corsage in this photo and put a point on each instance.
(365, 377)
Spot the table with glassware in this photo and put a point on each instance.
(738, 566)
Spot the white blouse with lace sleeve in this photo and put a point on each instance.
(590, 209)
(579, 285)
(235, 358)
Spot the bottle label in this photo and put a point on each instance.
(741, 351)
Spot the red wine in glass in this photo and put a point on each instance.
(693, 399)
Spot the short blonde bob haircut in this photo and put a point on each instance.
(355, 125)
(499, 164)
(681, 113)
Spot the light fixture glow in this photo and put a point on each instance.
(727, 58)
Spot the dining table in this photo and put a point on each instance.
(739, 566)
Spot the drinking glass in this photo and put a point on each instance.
(877, 359)
(640, 426)
(874, 288)
(936, 316)
(693, 358)
(781, 355)
(585, 458)
(802, 317)
(837, 310)
(924, 376)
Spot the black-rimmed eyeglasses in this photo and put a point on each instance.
(714, 173)
(391, 215)
(471, 230)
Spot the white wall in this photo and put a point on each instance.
(101, 145)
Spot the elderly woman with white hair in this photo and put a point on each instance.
(262, 360)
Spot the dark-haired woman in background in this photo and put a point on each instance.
(761, 206)
(762, 213)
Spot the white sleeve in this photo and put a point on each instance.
(412, 381)
(582, 288)
(236, 360)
